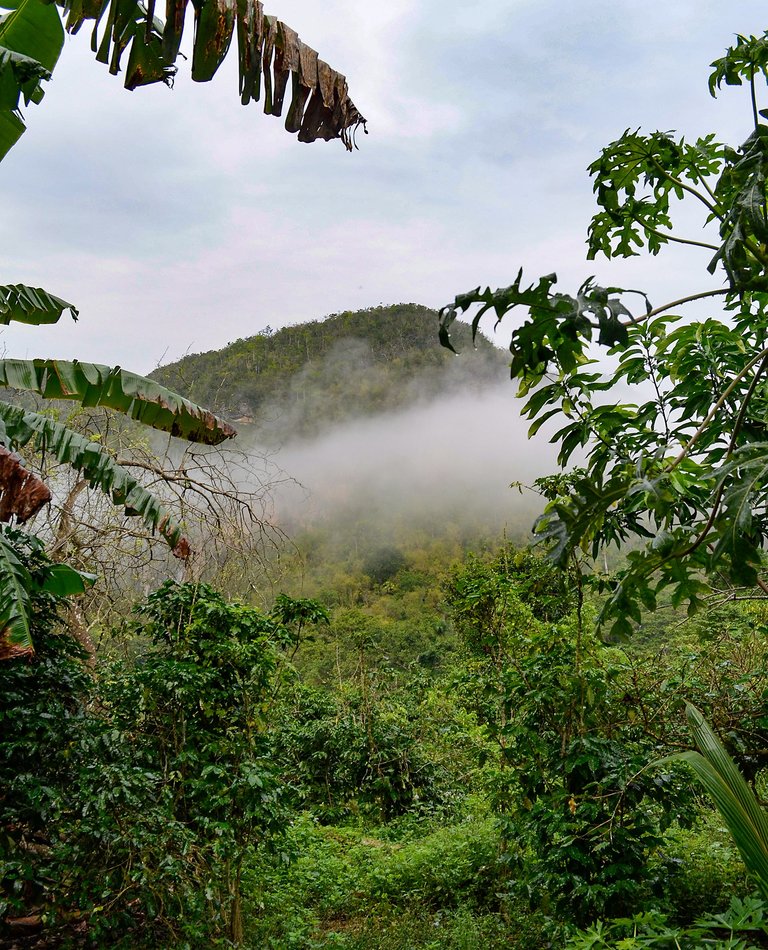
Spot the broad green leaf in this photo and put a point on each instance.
(92, 384)
(19, 427)
(31, 305)
(32, 28)
(15, 587)
(11, 130)
(65, 581)
(214, 24)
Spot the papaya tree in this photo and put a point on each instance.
(665, 407)
(31, 39)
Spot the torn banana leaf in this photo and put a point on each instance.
(31, 305)
(22, 493)
(92, 384)
(19, 427)
(269, 55)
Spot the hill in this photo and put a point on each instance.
(303, 379)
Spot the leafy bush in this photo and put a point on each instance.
(371, 749)
(579, 813)
(136, 813)
(43, 702)
(744, 926)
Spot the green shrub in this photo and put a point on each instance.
(743, 926)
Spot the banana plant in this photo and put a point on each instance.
(22, 494)
(16, 589)
(269, 55)
(734, 799)
(31, 39)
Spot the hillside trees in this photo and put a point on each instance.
(680, 465)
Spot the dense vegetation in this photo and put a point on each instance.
(438, 747)
(312, 776)
(300, 379)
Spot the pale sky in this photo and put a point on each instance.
(178, 221)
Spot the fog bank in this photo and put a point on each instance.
(453, 458)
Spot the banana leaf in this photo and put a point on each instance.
(22, 493)
(32, 29)
(16, 586)
(268, 50)
(31, 305)
(15, 604)
(92, 384)
(19, 427)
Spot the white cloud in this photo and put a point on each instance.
(178, 219)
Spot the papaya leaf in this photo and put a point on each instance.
(748, 57)
(559, 325)
(92, 384)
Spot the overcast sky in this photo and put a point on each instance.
(180, 221)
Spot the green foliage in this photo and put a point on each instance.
(744, 926)
(451, 867)
(19, 587)
(301, 379)
(672, 424)
(700, 867)
(42, 709)
(735, 800)
(136, 800)
(577, 810)
(372, 749)
(383, 563)
(31, 39)
(347, 888)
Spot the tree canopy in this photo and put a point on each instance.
(667, 409)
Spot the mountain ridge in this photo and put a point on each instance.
(304, 378)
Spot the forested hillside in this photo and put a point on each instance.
(304, 378)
